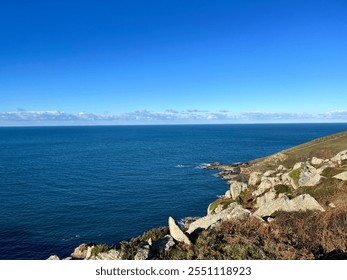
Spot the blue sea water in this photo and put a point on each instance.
(62, 186)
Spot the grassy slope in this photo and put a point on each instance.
(324, 147)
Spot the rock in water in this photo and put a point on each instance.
(177, 233)
(53, 258)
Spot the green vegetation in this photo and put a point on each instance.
(282, 189)
(100, 248)
(225, 202)
(323, 191)
(330, 172)
(130, 248)
(324, 147)
(295, 175)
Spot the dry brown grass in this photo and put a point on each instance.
(297, 235)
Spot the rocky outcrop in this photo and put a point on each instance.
(317, 161)
(163, 245)
(177, 233)
(83, 251)
(309, 177)
(341, 176)
(143, 252)
(254, 178)
(233, 211)
(112, 254)
(236, 188)
(53, 258)
(302, 202)
(341, 156)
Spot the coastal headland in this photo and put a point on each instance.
(290, 205)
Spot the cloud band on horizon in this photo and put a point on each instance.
(166, 117)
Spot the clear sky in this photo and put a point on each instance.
(172, 61)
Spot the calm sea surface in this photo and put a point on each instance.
(62, 186)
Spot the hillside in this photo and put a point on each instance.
(291, 205)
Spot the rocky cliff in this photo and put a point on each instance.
(291, 205)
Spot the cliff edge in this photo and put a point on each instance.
(290, 205)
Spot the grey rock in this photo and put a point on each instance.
(269, 173)
(300, 203)
(332, 205)
(53, 258)
(227, 194)
(265, 198)
(163, 244)
(340, 157)
(236, 188)
(317, 161)
(299, 165)
(341, 176)
(281, 168)
(177, 233)
(265, 185)
(288, 181)
(80, 252)
(254, 178)
(233, 211)
(309, 177)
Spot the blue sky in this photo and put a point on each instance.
(182, 61)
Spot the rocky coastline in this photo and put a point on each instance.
(295, 190)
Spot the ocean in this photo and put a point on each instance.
(63, 186)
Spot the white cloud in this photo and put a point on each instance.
(168, 116)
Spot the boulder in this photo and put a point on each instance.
(269, 173)
(233, 211)
(309, 177)
(53, 258)
(341, 176)
(299, 165)
(340, 157)
(227, 194)
(281, 168)
(317, 161)
(300, 203)
(332, 205)
(254, 178)
(163, 244)
(83, 251)
(177, 233)
(265, 198)
(288, 181)
(236, 188)
(263, 187)
(230, 169)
